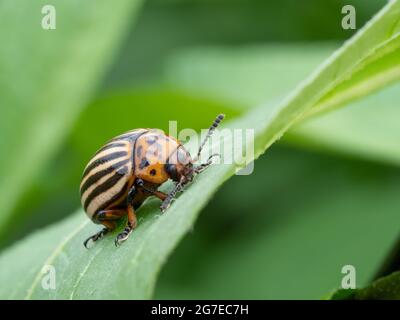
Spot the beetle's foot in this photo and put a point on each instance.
(164, 207)
(123, 236)
(96, 237)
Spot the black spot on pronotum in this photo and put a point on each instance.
(153, 172)
(151, 141)
(143, 163)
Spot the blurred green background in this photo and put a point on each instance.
(309, 208)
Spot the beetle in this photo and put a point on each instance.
(130, 168)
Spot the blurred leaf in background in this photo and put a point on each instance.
(46, 77)
(166, 27)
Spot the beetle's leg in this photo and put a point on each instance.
(160, 195)
(108, 226)
(130, 225)
(132, 221)
(110, 215)
(106, 218)
(171, 196)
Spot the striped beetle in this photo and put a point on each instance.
(129, 169)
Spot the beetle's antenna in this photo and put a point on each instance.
(171, 196)
(211, 130)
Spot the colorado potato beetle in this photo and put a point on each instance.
(130, 168)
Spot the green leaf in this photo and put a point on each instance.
(131, 271)
(244, 76)
(386, 288)
(46, 77)
(250, 242)
(342, 294)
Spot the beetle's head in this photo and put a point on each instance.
(181, 167)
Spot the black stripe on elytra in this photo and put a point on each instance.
(102, 160)
(130, 136)
(110, 146)
(98, 175)
(106, 185)
(151, 140)
(125, 136)
(115, 197)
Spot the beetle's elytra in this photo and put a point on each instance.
(130, 168)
